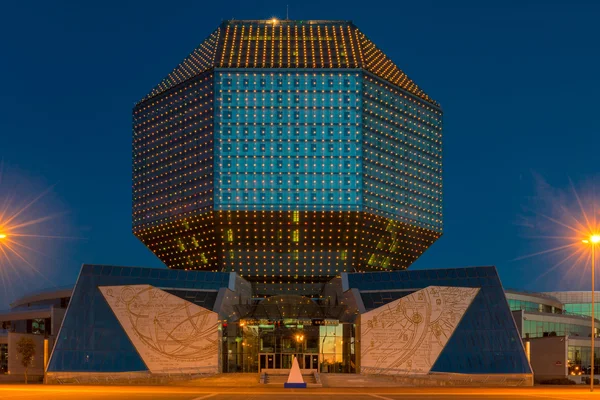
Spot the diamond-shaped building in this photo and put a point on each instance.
(284, 171)
(287, 152)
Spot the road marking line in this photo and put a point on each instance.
(380, 397)
(205, 397)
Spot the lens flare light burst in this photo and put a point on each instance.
(25, 229)
(567, 223)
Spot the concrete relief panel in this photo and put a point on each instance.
(171, 335)
(406, 336)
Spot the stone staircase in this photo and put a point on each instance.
(311, 379)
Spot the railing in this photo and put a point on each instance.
(539, 335)
(561, 312)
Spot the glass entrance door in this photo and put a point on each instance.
(284, 361)
(269, 361)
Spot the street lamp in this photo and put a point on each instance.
(592, 240)
(3, 235)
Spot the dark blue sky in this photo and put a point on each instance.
(518, 82)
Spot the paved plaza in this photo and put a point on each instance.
(64, 392)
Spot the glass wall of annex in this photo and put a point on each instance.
(516, 305)
(583, 309)
(577, 302)
(532, 329)
(579, 359)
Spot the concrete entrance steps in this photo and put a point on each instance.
(311, 379)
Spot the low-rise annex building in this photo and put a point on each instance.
(556, 328)
(37, 316)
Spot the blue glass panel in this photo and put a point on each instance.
(485, 341)
(97, 269)
(393, 121)
(92, 339)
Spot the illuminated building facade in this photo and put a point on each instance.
(287, 152)
(287, 172)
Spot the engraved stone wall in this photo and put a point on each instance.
(171, 334)
(407, 335)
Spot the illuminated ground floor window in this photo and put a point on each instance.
(256, 345)
(3, 358)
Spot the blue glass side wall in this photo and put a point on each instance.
(402, 156)
(486, 341)
(287, 140)
(172, 154)
(92, 339)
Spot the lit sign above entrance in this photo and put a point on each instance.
(289, 321)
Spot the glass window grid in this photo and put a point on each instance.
(583, 309)
(302, 163)
(172, 153)
(516, 305)
(401, 139)
(334, 347)
(417, 199)
(579, 358)
(534, 329)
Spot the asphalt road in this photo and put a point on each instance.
(22, 392)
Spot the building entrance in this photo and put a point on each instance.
(284, 361)
(270, 332)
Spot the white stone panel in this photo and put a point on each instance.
(406, 336)
(171, 334)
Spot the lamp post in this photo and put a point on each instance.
(300, 340)
(592, 241)
(3, 236)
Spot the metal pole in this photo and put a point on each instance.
(593, 318)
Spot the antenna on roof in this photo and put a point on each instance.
(287, 11)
